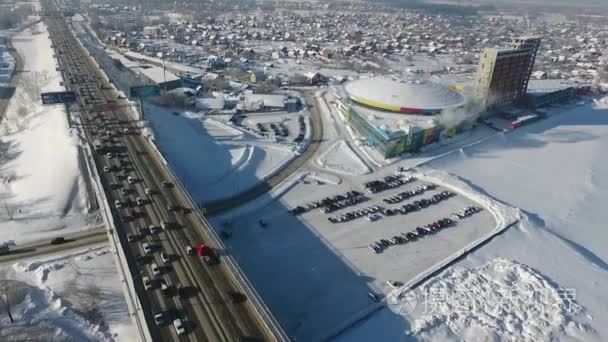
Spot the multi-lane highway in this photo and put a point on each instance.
(155, 220)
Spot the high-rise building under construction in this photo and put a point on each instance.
(503, 74)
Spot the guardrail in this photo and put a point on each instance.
(240, 277)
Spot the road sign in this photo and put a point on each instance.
(58, 97)
(145, 91)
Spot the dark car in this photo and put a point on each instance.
(422, 231)
(58, 240)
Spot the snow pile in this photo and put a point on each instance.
(601, 103)
(341, 158)
(502, 300)
(76, 297)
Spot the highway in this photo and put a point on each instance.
(150, 209)
(73, 241)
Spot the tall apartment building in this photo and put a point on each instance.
(503, 74)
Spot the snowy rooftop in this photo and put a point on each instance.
(171, 65)
(156, 74)
(408, 94)
(545, 86)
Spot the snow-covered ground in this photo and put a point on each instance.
(547, 273)
(75, 297)
(330, 268)
(41, 185)
(211, 158)
(341, 158)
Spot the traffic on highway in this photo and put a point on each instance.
(184, 287)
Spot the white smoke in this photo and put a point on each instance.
(471, 111)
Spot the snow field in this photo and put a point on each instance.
(41, 186)
(212, 159)
(73, 296)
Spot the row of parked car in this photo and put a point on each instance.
(387, 183)
(373, 213)
(466, 212)
(300, 136)
(403, 238)
(419, 204)
(331, 204)
(370, 213)
(409, 194)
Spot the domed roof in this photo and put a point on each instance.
(403, 96)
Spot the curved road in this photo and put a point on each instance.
(216, 207)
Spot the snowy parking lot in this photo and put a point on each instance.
(330, 268)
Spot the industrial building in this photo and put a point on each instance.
(503, 74)
(397, 117)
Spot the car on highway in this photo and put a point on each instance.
(130, 180)
(179, 326)
(140, 202)
(125, 191)
(110, 155)
(164, 225)
(155, 269)
(132, 238)
(142, 259)
(166, 184)
(154, 229)
(106, 169)
(58, 240)
(147, 282)
(159, 318)
(164, 288)
(147, 248)
(165, 258)
(181, 291)
(148, 191)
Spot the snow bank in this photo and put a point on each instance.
(501, 300)
(601, 103)
(75, 296)
(41, 182)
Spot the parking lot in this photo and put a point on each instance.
(422, 243)
(335, 259)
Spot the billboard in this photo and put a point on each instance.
(58, 97)
(145, 91)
